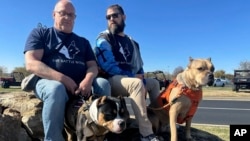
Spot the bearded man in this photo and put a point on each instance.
(119, 57)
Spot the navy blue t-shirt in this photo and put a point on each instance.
(70, 59)
(123, 52)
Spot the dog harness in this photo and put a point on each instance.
(194, 95)
(97, 130)
(81, 121)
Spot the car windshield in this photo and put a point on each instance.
(242, 74)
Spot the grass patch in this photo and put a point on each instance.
(224, 92)
(11, 89)
(228, 88)
(220, 131)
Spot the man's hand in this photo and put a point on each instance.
(84, 88)
(69, 83)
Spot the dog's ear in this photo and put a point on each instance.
(190, 59)
(92, 97)
(209, 59)
(123, 103)
(102, 100)
(123, 108)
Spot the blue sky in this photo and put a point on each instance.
(168, 31)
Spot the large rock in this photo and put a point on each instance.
(20, 117)
(21, 120)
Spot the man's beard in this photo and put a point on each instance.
(117, 28)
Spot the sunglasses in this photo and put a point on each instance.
(114, 15)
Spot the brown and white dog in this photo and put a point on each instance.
(181, 99)
(95, 118)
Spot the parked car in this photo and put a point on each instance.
(160, 77)
(14, 79)
(241, 80)
(218, 82)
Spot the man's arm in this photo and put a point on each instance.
(86, 84)
(92, 70)
(35, 65)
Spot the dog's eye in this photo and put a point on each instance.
(109, 117)
(200, 68)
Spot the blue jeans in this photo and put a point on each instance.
(54, 97)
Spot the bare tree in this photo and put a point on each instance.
(244, 65)
(220, 74)
(22, 70)
(3, 70)
(177, 70)
(40, 25)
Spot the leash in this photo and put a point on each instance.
(173, 101)
(166, 105)
(80, 102)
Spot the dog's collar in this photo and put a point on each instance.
(186, 84)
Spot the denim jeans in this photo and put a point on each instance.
(54, 97)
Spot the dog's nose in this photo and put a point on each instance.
(210, 79)
(122, 124)
(211, 76)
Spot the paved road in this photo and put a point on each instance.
(219, 112)
(223, 112)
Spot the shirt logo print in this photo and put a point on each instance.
(71, 51)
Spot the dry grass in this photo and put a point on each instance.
(9, 90)
(220, 132)
(224, 92)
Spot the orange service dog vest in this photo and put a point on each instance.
(194, 95)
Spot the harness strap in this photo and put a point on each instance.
(91, 123)
(163, 99)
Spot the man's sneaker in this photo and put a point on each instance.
(151, 137)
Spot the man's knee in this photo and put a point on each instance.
(136, 83)
(101, 86)
(53, 89)
(56, 87)
(122, 85)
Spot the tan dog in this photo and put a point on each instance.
(183, 96)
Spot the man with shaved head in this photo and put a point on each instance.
(66, 65)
